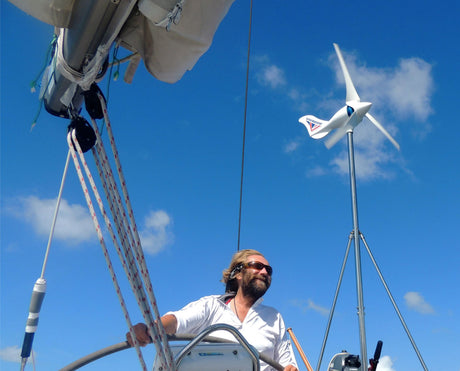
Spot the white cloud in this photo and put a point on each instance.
(411, 87)
(292, 145)
(11, 354)
(385, 364)
(369, 163)
(73, 223)
(268, 74)
(415, 301)
(316, 172)
(156, 234)
(272, 76)
(310, 305)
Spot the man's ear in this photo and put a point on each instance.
(236, 270)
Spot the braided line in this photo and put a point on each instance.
(137, 247)
(100, 236)
(126, 238)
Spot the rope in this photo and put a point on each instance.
(137, 247)
(244, 125)
(72, 137)
(126, 238)
(130, 250)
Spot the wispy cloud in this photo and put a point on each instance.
(415, 301)
(156, 234)
(73, 224)
(269, 74)
(292, 145)
(11, 354)
(306, 305)
(272, 76)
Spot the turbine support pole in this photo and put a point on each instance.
(359, 280)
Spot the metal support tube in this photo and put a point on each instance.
(394, 304)
(359, 281)
(334, 302)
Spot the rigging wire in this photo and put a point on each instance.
(56, 210)
(244, 123)
(39, 290)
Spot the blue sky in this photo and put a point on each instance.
(180, 146)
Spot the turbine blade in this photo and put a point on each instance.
(352, 95)
(382, 129)
(336, 136)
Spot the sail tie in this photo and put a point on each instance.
(173, 16)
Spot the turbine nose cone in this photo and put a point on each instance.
(362, 108)
(365, 106)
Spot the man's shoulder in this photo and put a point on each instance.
(213, 298)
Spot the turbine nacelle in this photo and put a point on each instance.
(345, 119)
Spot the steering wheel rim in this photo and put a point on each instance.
(125, 345)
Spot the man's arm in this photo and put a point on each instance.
(169, 322)
(290, 368)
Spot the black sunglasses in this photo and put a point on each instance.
(259, 266)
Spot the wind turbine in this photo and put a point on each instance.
(343, 122)
(346, 118)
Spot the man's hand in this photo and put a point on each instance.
(142, 335)
(290, 368)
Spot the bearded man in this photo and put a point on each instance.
(247, 279)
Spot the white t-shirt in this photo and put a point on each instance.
(263, 326)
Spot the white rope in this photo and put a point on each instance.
(137, 246)
(129, 240)
(126, 238)
(71, 136)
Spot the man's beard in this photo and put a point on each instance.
(255, 286)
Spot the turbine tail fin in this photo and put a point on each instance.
(314, 126)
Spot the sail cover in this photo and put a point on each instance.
(170, 35)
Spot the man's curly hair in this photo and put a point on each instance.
(238, 259)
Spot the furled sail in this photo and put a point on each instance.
(169, 35)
